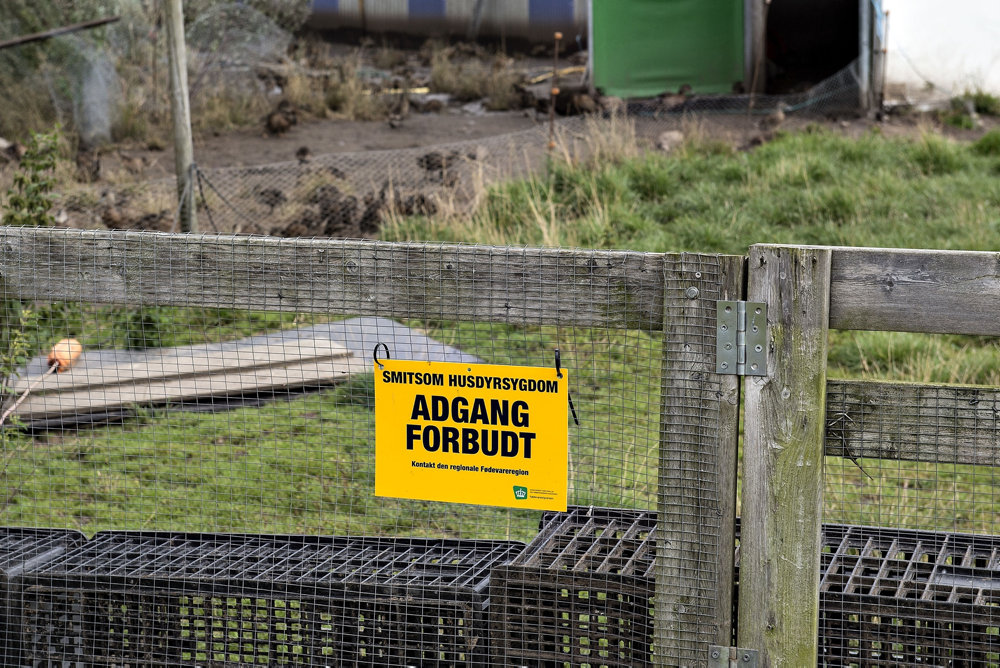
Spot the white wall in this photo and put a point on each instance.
(955, 44)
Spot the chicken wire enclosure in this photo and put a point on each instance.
(225, 386)
(339, 195)
(916, 459)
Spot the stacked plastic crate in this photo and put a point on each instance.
(141, 598)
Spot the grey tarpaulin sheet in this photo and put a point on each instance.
(358, 335)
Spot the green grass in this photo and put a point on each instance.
(807, 188)
(306, 465)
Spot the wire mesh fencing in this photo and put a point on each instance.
(212, 437)
(917, 582)
(355, 194)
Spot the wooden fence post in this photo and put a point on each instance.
(782, 501)
(180, 105)
(699, 429)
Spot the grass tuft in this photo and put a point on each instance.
(988, 144)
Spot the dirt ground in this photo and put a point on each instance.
(322, 136)
(250, 147)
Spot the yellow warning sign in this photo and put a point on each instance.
(471, 433)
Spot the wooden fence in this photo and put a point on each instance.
(673, 294)
(808, 290)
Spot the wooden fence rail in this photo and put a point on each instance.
(944, 424)
(617, 289)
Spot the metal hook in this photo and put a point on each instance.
(375, 354)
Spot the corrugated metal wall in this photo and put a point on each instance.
(525, 19)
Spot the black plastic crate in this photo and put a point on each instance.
(151, 598)
(21, 549)
(898, 597)
(582, 594)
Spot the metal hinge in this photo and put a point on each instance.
(731, 657)
(741, 341)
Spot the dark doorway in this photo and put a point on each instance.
(808, 41)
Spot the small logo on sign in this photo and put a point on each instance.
(520, 492)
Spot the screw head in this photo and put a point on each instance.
(715, 654)
(691, 292)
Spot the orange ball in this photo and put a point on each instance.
(64, 353)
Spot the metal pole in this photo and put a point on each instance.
(48, 34)
(885, 57)
(758, 27)
(865, 65)
(475, 21)
(554, 93)
(590, 48)
(180, 105)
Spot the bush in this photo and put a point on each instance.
(985, 103)
(29, 200)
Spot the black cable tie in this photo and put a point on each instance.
(569, 396)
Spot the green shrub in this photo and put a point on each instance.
(985, 103)
(29, 200)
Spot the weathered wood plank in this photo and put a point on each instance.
(945, 292)
(945, 424)
(185, 361)
(696, 506)
(399, 280)
(783, 459)
(105, 397)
